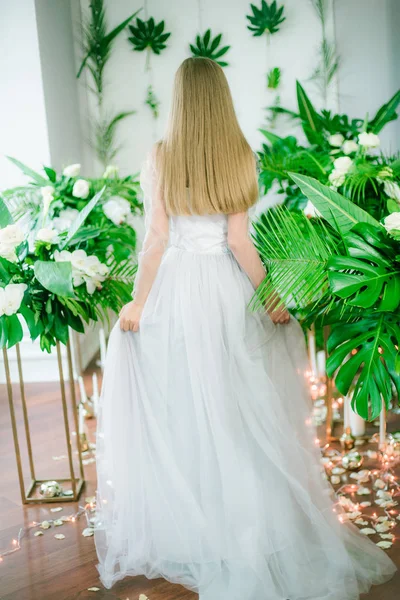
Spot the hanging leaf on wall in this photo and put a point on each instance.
(152, 102)
(265, 19)
(97, 45)
(208, 47)
(147, 34)
(273, 78)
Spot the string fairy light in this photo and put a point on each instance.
(86, 510)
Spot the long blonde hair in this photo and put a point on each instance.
(204, 148)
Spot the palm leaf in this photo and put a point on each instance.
(29, 172)
(78, 222)
(5, 215)
(295, 253)
(386, 113)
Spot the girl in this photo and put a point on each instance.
(208, 472)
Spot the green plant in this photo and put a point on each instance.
(97, 47)
(265, 19)
(208, 47)
(152, 102)
(148, 35)
(329, 60)
(273, 78)
(342, 269)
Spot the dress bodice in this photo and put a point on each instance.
(199, 233)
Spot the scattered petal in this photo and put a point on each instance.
(335, 479)
(88, 532)
(58, 522)
(368, 531)
(372, 454)
(363, 491)
(387, 536)
(383, 527)
(59, 536)
(90, 499)
(359, 442)
(379, 484)
(37, 533)
(385, 545)
(338, 471)
(361, 522)
(365, 504)
(354, 515)
(93, 589)
(45, 525)
(56, 509)
(143, 597)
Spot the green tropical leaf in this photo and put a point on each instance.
(56, 277)
(295, 252)
(310, 118)
(35, 327)
(341, 214)
(273, 78)
(14, 330)
(365, 352)
(148, 35)
(266, 19)
(386, 113)
(367, 277)
(209, 47)
(29, 172)
(5, 215)
(75, 226)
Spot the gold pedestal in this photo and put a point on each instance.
(28, 495)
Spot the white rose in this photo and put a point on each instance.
(46, 235)
(392, 222)
(336, 140)
(117, 210)
(65, 219)
(337, 178)
(10, 238)
(48, 196)
(343, 164)
(369, 140)
(11, 298)
(72, 170)
(63, 256)
(81, 189)
(349, 146)
(392, 189)
(111, 171)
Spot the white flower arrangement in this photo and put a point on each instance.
(117, 210)
(72, 170)
(350, 147)
(369, 140)
(85, 269)
(10, 238)
(392, 190)
(11, 297)
(81, 189)
(46, 234)
(65, 219)
(336, 140)
(47, 196)
(392, 222)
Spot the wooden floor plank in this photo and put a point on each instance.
(50, 569)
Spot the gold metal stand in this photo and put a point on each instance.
(28, 495)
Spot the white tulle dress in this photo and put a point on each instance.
(208, 471)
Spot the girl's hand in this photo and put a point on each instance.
(129, 317)
(279, 315)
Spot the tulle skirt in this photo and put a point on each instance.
(208, 471)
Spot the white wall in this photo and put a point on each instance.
(56, 45)
(367, 34)
(292, 49)
(23, 126)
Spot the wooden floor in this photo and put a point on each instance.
(50, 569)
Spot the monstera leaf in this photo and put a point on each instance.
(208, 47)
(365, 351)
(368, 278)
